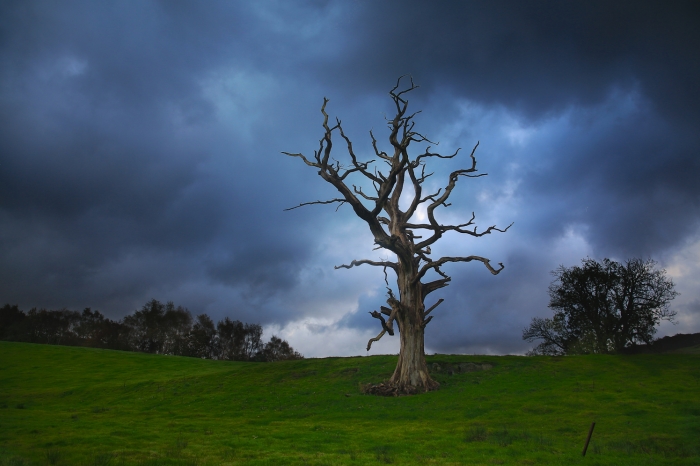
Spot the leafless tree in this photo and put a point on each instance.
(394, 231)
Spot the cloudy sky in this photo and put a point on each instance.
(140, 155)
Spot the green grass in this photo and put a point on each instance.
(80, 406)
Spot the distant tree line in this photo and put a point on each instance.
(156, 328)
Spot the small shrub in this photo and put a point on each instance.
(181, 442)
(229, 453)
(175, 451)
(542, 440)
(53, 456)
(476, 434)
(502, 437)
(102, 459)
(383, 454)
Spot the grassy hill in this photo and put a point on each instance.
(81, 406)
(681, 343)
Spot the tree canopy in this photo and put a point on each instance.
(603, 307)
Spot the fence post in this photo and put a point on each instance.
(588, 439)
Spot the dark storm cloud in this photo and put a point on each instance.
(633, 182)
(140, 149)
(110, 148)
(542, 58)
(536, 57)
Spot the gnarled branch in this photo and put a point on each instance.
(380, 154)
(430, 309)
(342, 201)
(359, 166)
(395, 307)
(429, 287)
(432, 154)
(457, 228)
(377, 338)
(454, 176)
(301, 156)
(378, 315)
(355, 263)
(361, 193)
(443, 260)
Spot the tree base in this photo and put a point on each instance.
(389, 389)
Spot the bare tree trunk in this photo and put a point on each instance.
(411, 374)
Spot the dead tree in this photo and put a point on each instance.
(393, 230)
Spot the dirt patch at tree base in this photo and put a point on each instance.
(387, 389)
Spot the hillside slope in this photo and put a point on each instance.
(79, 406)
